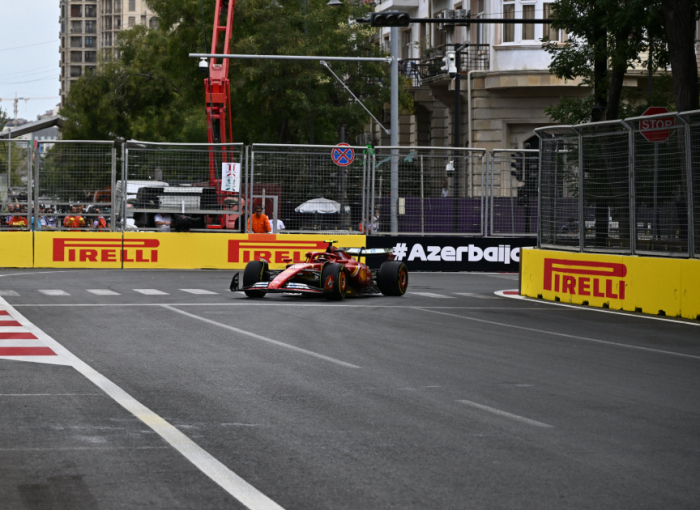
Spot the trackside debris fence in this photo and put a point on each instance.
(626, 186)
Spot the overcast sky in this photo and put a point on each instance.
(29, 55)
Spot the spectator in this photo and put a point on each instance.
(99, 222)
(74, 221)
(445, 189)
(163, 221)
(259, 223)
(18, 221)
(280, 225)
(49, 220)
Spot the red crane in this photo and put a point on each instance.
(217, 90)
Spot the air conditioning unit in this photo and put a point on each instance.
(463, 14)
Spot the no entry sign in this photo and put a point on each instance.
(654, 129)
(342, 154)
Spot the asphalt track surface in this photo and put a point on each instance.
(447, 398)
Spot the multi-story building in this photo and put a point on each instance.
(505, 81)
(91, 27)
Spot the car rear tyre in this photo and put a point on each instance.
(335, 281)
(392, 278)
(255, 271)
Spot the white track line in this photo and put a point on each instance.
(587, 339)
(151, 292)
(8, 293)
(198, 291)
(505, 414)
(263, 338)
(431, 295)
(472, 295)
(56, 292)
(102, 292)
(241, 490)
(592, 308)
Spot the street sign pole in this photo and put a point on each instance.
(655, 231)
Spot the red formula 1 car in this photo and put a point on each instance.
(333, 274)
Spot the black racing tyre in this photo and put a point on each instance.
(392, 278)
(255, 271)
(334, 279)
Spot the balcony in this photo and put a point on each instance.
(475, 57)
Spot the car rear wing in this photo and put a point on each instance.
(367, 252)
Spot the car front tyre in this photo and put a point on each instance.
(255, 271)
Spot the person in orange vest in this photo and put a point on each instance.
(74, 221)
(99, 223)
(260, 222)
(17, 221)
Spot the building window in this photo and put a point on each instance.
(91, 57)
(90, 11)
(117, 6)
(509, 29)
(406, 44)
(117, 23)
(529, 28)
(132, 21)
(75, 71)
(76, 27)
(76, 57)
(76, 42)
(90, 42)
(108, 23)
(132, 5)
(154, 23)
(143, 19)
(76, 11)
(480, 28)
(108, 39)
(90, 27)
(89, 69)
(547, 31)
(108, 6)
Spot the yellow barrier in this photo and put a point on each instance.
(161, 250)
(16, 249)
(647, 284)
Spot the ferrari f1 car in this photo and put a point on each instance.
(333, 274)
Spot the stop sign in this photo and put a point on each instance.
(653, 129)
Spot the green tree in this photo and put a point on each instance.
(3, 119)
(155, 92)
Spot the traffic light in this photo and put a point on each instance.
(449, 63)
(518, 165)
(390, 19)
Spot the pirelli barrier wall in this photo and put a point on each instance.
(191, 250)
(151, 250)
(658, 286)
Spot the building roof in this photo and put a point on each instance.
(33, 127)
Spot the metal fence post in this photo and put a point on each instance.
(689, 181)
(539, 193)
(581, 197)
(33, 198)
(632, 190)
(113, 192)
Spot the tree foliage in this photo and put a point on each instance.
(605, 39)
(155, 92)
(3, 119)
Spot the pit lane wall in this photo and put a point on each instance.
(652, 285)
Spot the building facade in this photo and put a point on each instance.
(90, 28)
(505, 82)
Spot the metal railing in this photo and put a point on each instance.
(473, 57)
(626, 186)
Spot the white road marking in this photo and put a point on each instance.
(263, 338)
(54, 292)
(198, 291)
(633, 315)
(241, 490)
(478, 296)
(151, 292)
(431, 295)
(21, 343)
(102, 292)
(587, 339)
(8, 293)
(506, 414)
